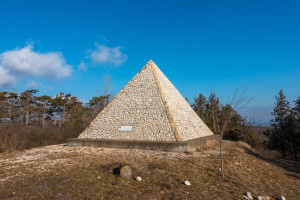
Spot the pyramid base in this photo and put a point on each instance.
(185, 146)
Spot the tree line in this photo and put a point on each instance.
(28, 120)
(224, 119)
(283, 135)
(62, 110)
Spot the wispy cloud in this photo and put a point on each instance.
(33, 84)
(104, 55)
(23, 62)
(82, 66)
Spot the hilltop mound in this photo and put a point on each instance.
(62, 172)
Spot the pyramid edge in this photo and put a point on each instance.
(177, 135)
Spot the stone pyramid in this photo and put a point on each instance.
(148, 108)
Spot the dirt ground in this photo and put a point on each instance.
(63, 172)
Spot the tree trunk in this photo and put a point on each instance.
(60, 118)
(54, 118)
(27, 117)
(10, 116)
(221, 155)
(44, 119)
(63, 113)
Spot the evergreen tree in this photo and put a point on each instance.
(14, 108)
(43, 103)
(27, 100)
(200, 106)
(4, 106)
(284, 130)
(296, 133)
(76, 114)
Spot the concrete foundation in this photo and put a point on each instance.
(185, 146)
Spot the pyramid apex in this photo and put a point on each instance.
(151, 63)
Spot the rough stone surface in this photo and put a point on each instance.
(124, 171)
(188, 122)
(149, 108)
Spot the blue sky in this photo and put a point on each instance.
(201, 46)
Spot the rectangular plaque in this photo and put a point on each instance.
(126, 128)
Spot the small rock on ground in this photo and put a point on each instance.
(263, 197)
(124, 171)
(138, 178)
(248, 195)
(187, 183)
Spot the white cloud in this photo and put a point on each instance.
(25, 62)
(6, 79)
(33, 84)
(82, 66)
(106, 55)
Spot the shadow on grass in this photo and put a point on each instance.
(297, 176)
(290, 165)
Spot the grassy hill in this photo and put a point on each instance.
(62, 172)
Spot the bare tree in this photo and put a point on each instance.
(221, 114)
(106, 87)
(105, 93)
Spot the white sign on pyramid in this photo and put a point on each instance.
(148, 108)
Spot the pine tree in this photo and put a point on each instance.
(278, 139)
(296, 133)
(200, 106)
(27, 99)
(43, 107)
(4, 106)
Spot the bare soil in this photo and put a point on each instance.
(63, 172)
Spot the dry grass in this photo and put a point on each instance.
(62, 172)
(20, 137)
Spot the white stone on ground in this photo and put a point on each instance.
(187, 183)
(138, 178)
(264, 197)
(248, 194)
